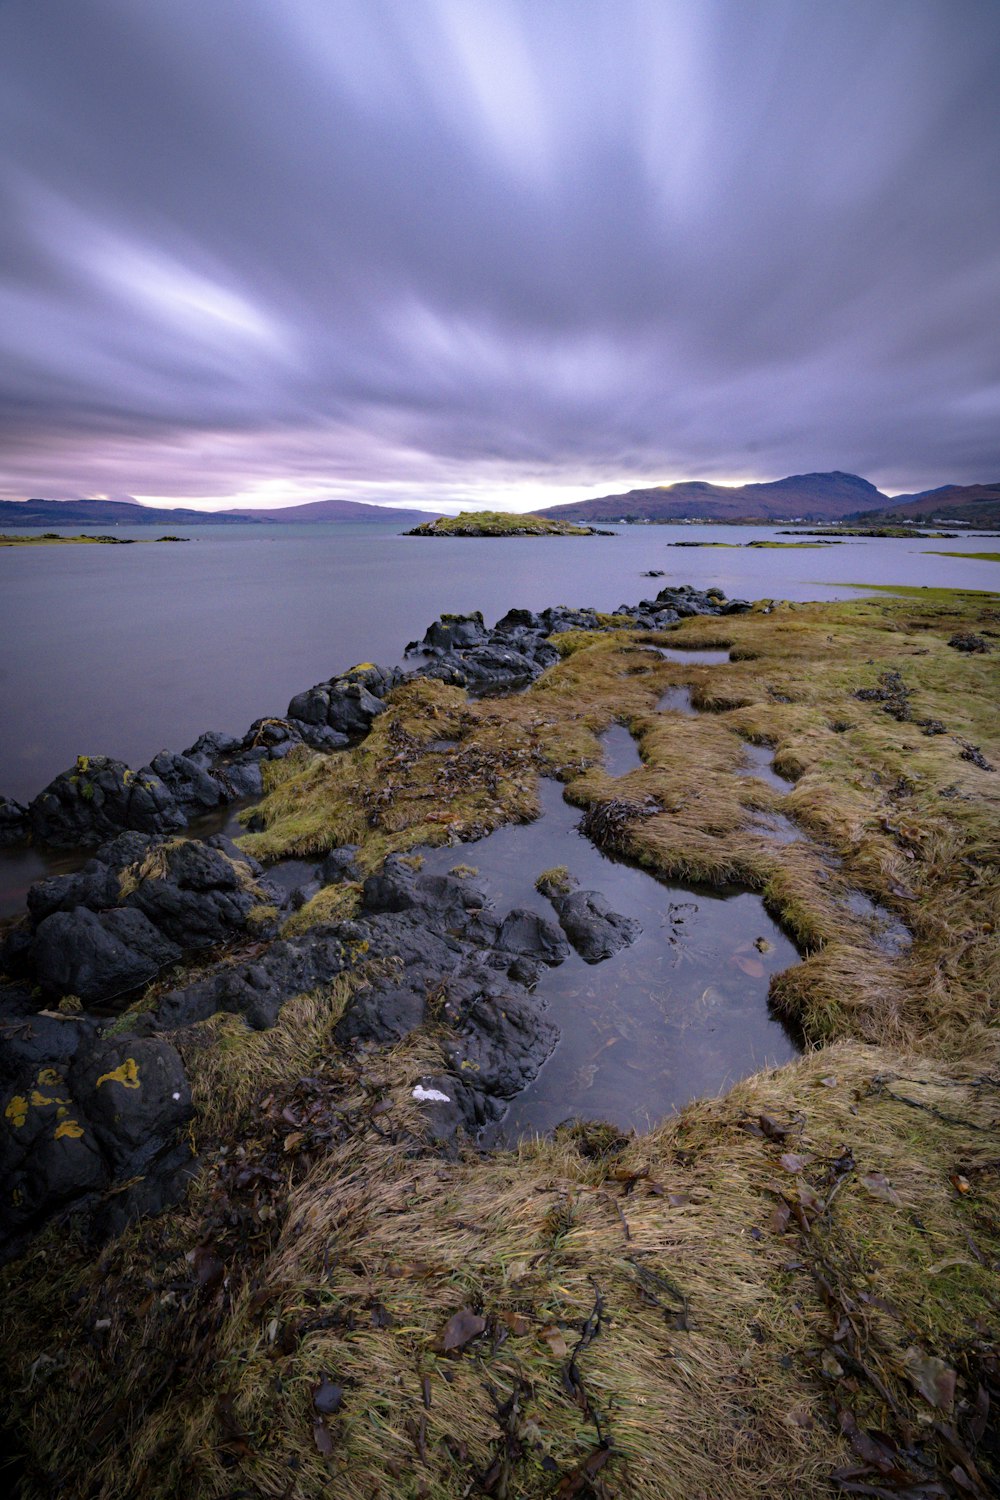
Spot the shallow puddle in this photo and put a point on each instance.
(676, 700)
(693, 657)
(886, 931)
(776, 827)
(621, 753)
(759, 762)
(681, 1013)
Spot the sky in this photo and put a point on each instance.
(444, 252)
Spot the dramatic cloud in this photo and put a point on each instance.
(403, 249)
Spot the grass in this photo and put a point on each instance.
(667, 1315)
(499, 523)
(977, 556)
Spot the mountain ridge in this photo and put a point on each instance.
(38, 512)
(812, 497)
(972, 504)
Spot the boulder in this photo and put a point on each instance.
(98, 956)
(197, 895)
(194, 789)
(13, 822)
(109, 1112)
(452, 632)
(98, 798)
(135, 1094)
(595, 931)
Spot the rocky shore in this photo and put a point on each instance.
(158, 931)
(298, 1045)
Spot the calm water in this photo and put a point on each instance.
(127, 650)
(681, 1013)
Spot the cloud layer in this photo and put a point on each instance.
(397, 250)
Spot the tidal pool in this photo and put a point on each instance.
(620, 751)
(759, 762)
(681, 1013)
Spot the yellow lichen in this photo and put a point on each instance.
(17, 1111)
(69, 1128)
(48, 1076)
(39, 1100)
(127, 1074)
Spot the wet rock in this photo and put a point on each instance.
(446, 899)
(451, 631)
(98, 798)
(210, 746)
(110, 1113)
(13, 822)
(529, 935)
(194, 789)
(134, 1092)
(340, 865)
(594, 929)
(95, 886)
(965, 640)
(347, 704)
(501, 1040)
(256, 989)
(32, 1040)
(98, 956)
(197, 895)
(485, 669)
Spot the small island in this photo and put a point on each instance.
(501, 523)
(53, 538)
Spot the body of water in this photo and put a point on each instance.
(124, 651)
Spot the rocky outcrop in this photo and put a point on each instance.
(97, 799)
(92, 1122)
(134, 909)
(13, 822)
(472, 970)
(95, 1131)
(257, 988)
(347, 705)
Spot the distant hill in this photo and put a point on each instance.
(335, 510)
(977, 504)
(811, 497)
(130, 513)
(99, 513)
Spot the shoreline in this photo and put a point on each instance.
(426, 763)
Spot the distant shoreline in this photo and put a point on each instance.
(52, 539)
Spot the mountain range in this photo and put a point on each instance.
(807, 497)
(131, 513)
(833, 496)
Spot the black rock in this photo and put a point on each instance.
(595, 931)
(339, 865)
(257, 989)
(108, 1112)
(194, 789)
(100, 797)
(196, 894)
(13, 822)
(98, 956)
(134, 1092)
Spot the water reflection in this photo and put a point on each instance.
(681, 1013)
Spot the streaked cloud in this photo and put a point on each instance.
(444, 250)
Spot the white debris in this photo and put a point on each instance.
(430, 1096)
(175, 1095)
